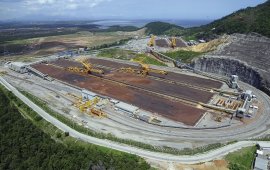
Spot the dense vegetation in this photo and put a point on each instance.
(24, 146)
(256, 19)
(184, 56)
(158, 28)
(252, 19)
(241, 159)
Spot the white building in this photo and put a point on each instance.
(247, 95)
(18, 67)
(124, 107)
(234, 82)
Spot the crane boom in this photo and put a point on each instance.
(173, 42)
(87, 68)
(151, 42)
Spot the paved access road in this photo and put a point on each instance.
(211, 155)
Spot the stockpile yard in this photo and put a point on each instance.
(179, 42)
(162, 43)
(174, 96)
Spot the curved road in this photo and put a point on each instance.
(207, 156)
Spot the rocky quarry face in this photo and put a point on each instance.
(247, 56)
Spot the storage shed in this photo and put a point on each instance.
(18, 67)
(125, 107)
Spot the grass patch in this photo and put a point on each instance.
(241, 159)
(148, 60)
(184, 56)
(117, 54)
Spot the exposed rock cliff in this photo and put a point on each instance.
(247, 56)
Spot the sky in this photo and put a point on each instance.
(120, 9)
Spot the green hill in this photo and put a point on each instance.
(159, 28)
(251, 19)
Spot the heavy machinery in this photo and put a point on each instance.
(146, 69)
(151, 42)
(98, 112)
(84, 106)
(143, 71)
(89, 107)
(173, 42)
(87, 68)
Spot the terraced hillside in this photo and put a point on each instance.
(245, 55)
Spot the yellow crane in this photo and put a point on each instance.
(151, 42)
(144, 70)
(173, 42)
(87, 68)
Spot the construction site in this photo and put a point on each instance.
(162, 106)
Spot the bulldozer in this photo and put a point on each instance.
(87, 68)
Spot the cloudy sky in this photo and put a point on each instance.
(120, 9)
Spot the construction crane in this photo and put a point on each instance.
(173, 42)
(151, 42)
(87, 68)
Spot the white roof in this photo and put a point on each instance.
(126, 107)
(18, 64)
(88, 92)
(248, 92)
(261, 163)
(259, 152)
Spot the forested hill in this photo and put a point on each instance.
(252, 19)
(25, 146)
(159, 28)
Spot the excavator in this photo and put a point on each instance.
(151, 42)
(173, 42)
(87, 68)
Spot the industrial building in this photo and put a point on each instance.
(262, 161)
(127, 108)
(247, 95)
(18, 67)
(233, 83)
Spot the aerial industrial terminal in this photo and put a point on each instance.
(176, 106)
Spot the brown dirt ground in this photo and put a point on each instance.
(161, 43)
(201, 82)
(168, 108)
(213, 165)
